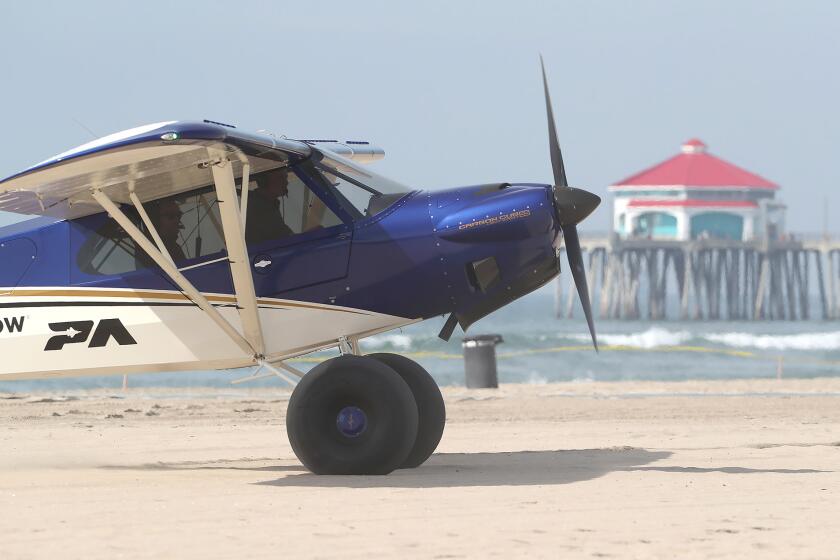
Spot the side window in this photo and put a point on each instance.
(108, 250)
(281, 205)
(189, 225)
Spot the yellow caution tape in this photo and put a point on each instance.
(607, 348)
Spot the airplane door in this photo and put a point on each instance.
(301, 261)
(294, 239)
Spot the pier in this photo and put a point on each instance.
(707, 279)
(696, 237)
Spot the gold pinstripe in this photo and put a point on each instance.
(165, 295)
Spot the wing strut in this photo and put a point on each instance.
(148, 223)
(240, 264)
(169, 268)
(246, 179)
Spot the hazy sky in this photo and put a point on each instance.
(450, 89)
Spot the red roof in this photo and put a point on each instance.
(694, 167)
(693, 203)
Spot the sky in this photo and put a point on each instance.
(451, 90)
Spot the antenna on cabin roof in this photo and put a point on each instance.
(89, 131)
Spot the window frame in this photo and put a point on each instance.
(305, 169)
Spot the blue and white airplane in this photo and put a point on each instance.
(195, 245)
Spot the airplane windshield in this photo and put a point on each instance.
(367, 192)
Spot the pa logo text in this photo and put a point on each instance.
(74, 332)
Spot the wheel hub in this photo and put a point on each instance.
(351, 421)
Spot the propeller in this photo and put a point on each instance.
(572, 205)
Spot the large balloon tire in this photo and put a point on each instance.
(430, 406)
(345, 388)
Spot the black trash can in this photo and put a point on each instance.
(480, 360)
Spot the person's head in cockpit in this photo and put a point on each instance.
(167, 220)
(274, 184)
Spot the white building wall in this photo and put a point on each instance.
(683, 225)
(749, 226)
(619, 209)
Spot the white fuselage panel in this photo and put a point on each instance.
(51, 332)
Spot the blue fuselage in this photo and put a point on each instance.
(468, 250)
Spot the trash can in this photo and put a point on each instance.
(480, 360)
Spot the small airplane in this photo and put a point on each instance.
(195, 245)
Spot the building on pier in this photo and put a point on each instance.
(696, 195)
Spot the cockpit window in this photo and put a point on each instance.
(367, 193)
(281, 205)
(108, 250)
(189, 225)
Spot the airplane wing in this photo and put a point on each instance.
(154, 161)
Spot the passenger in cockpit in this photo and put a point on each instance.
(264, 220)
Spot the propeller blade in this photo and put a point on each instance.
(553, 144)
(573, 205)
(573, 252)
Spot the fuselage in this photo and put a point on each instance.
(466, 251)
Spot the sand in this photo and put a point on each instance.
(624, 470)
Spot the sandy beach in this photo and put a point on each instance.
(624, 470)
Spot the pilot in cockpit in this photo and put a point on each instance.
(265, 220)
(169, 226)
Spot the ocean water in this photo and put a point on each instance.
(538, 348)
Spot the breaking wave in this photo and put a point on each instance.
(801, 341)
(396, 341)
(656, 337)
(650, 338)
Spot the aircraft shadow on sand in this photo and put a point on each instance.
(450, 470)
